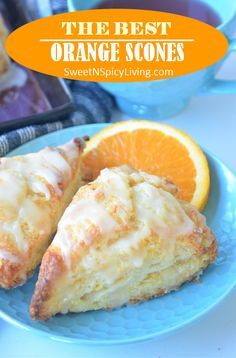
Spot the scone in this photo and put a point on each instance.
(34, 192)
(124, 238)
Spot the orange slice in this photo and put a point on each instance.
(155, 148)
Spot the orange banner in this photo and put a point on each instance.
(116, 45)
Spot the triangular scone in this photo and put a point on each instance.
(34, 192)
(123, 239)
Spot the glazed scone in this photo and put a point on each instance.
(124, 238)
(34, 192)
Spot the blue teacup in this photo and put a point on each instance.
(164, 98)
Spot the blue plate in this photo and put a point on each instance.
(158, 316)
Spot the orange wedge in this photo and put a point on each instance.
(155, 148)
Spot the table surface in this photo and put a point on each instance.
(212, 122)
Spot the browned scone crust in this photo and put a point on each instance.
(98, 271)
(53, 268)
(29, 220)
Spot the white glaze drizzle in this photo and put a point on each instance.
(155, 210)
(6, 255)
(17, 176)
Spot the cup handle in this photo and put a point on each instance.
(222, 86)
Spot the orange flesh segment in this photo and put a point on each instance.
(147, 150)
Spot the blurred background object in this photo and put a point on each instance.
(25, 96)
(40, 8)
(4, 60)
(43, 103)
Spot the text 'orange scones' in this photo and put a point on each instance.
(123, 239)
(34, 192)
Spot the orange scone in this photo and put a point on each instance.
(124, 238)
(34, 191)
